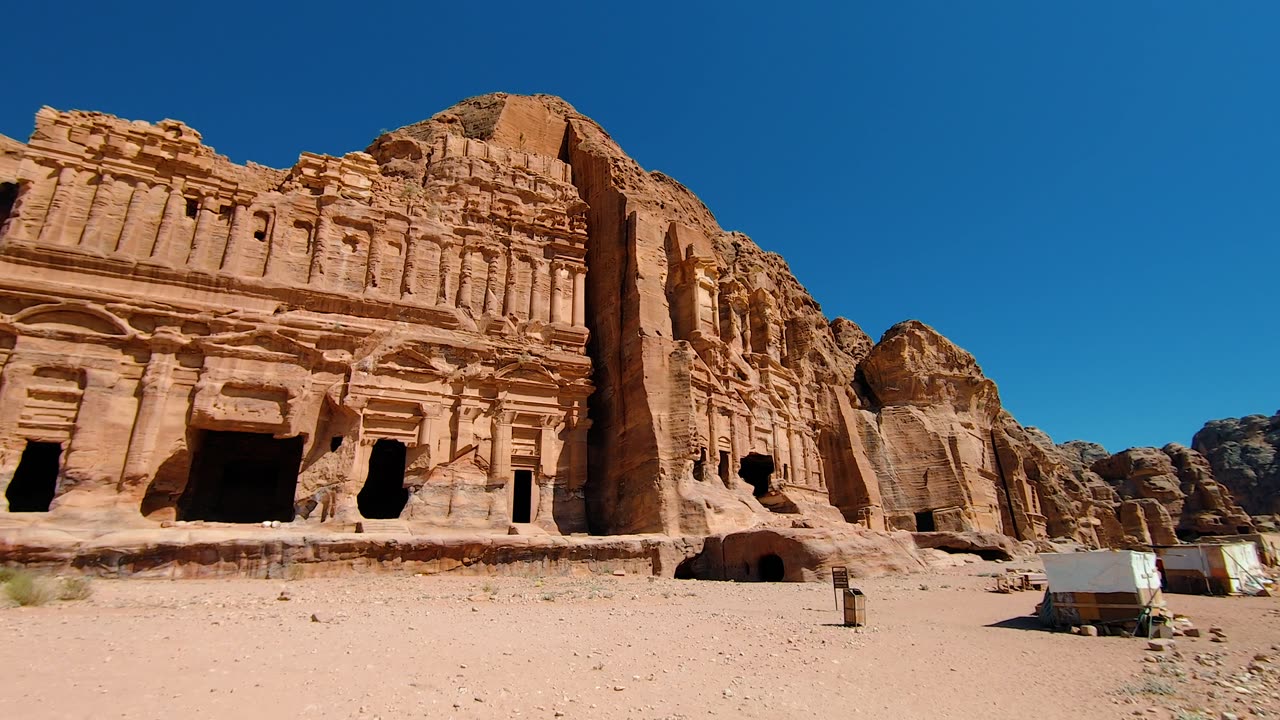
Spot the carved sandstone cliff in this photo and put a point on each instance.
(491, 317)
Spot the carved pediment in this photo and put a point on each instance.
(527, 372)
(415, 358)
(264, 345)
(73, 318)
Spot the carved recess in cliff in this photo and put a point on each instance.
(411, 334)
(164, 307)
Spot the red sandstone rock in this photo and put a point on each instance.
(490, 319)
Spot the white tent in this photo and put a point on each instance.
(1102, 571)
(1228, 568)
(1106, 587)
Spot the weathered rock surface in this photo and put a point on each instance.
(1172, 492)
(1245, 456)
(289, 554)
(493, 320)
(803, 555)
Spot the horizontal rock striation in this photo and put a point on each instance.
(490, 321)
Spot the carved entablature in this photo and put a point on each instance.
(350, 176)
(486, 232)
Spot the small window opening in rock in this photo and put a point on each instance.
(522, 500)
(384, 495)
(924, 521)
(36, 479)
(786, 471)
(723, 470)
(241, 477)
(700, 464)
(756, 469)
(260, 222)
(193, 207)
(8, 197)
(772, 568)
(335, 442)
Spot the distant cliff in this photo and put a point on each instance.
(1244, 457)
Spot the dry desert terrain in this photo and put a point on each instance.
(938, 645)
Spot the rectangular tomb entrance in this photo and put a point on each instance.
(241, 477)
(925, 521)
(522, 497)
(36, 479)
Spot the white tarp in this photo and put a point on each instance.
(1101, 571)
(1244, 569)
(1186, 557)
(1236, 565)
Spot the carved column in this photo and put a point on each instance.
(465, 437)
(445, 277)
(713, 293)
(154, 387)
(491, 284)
(200, 255)
(464, 281)
(797, 457)
(55, 219)
(547, 445)
(174, 207)
(579, 297)
(426, 432)
(713, 436)
(91, 235)
(235, 238)
(509, 292)
(132, 217)
(538, 302)
(428, 288)
(500, 462)
(735, 451)
(409, 283)
(557, 292)
(319, 247)
(776, 450)
(373, 271)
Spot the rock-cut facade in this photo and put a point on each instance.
(490, 320)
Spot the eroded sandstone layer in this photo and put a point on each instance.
(490, 320)
(1245, 456)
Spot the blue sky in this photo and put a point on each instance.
(1086, 195)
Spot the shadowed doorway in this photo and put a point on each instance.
(756, 469)
(384, 494)
(241, 477)
(36, 479)
(522, 497)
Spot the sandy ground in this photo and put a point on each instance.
(937, 646)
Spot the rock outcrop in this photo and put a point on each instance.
(492, 320)
(1245, 456)
(1172, 491)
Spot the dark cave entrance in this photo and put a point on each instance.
(241, 477)
(723, 469)
(8, 197)
(772, 568)
(36, 479)
(756, 469)
(924, 521)
(522, 497)
(384, 495)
